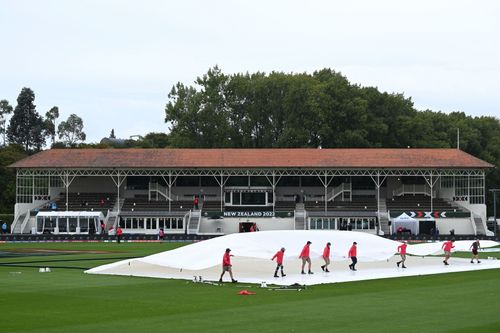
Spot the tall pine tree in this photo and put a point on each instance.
(26, 125)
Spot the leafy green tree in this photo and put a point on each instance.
(26, 125)
(8, 155)
(182, 113)
(50, 123)
(154, 140)
(5, 110)
(71, 130)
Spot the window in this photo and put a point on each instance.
(256, 198)
(171, 223)
(236, 198)
(150, 223)
(73, 223)
(63, 224)
(39, 224)
(342, 223)
(84, 224)
(470, 188)
(29, 188)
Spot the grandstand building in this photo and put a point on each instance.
(379, 191)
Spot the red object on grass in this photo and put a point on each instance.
(245, 292)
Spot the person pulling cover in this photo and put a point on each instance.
(304, 255)
(353, 255)
(279, 261)
(226, 265)
(326, 257)
(402, 253)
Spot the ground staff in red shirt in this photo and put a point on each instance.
(119, 233)
(304, 255)
(447, 246)
(475, 247)
(279, 261)
(326, 257)
(402, 253)
(353, 255)
(226, 265)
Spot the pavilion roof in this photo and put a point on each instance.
(252, 158)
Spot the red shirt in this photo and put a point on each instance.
(402, 248)
(226, 259)
(305, 252)
(119, 231)
(447, 246)
(326, 252)
(353, 251)
(279, 257)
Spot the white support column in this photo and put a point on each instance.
(326, 193)
(468, 187)
(326, 182)
(33, 188)
(274, 194)
(221, 183)
(169, 191)
(378, 203)
(170, 182)
(378, 184)
(431, 182)
(432, 194)
(483, 187)
(273, 181)
(67, 182)
(66, 185)
(118, 182)
(221, 190)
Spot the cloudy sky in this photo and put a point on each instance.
(114, 62)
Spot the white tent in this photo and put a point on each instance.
(71, 222)
(405, 221)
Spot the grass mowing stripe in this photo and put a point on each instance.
(64, 260)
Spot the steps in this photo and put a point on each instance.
(194, 219)
(111, 221)
(479, 226)
(384, 216)
(17, 227)
(342, 189)
(300, 219)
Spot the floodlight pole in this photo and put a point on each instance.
(495, 227)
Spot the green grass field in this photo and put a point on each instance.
(67, 300)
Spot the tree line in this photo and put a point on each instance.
(260, 110)
(28, 129)
(322, 109)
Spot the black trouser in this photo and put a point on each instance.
(354, 261)
(278, 267)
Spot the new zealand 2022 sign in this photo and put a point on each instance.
(249, 214)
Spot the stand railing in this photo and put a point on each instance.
(161, 190)
(336, 191)
(413, 189)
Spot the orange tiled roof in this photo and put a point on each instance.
(253, 158)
